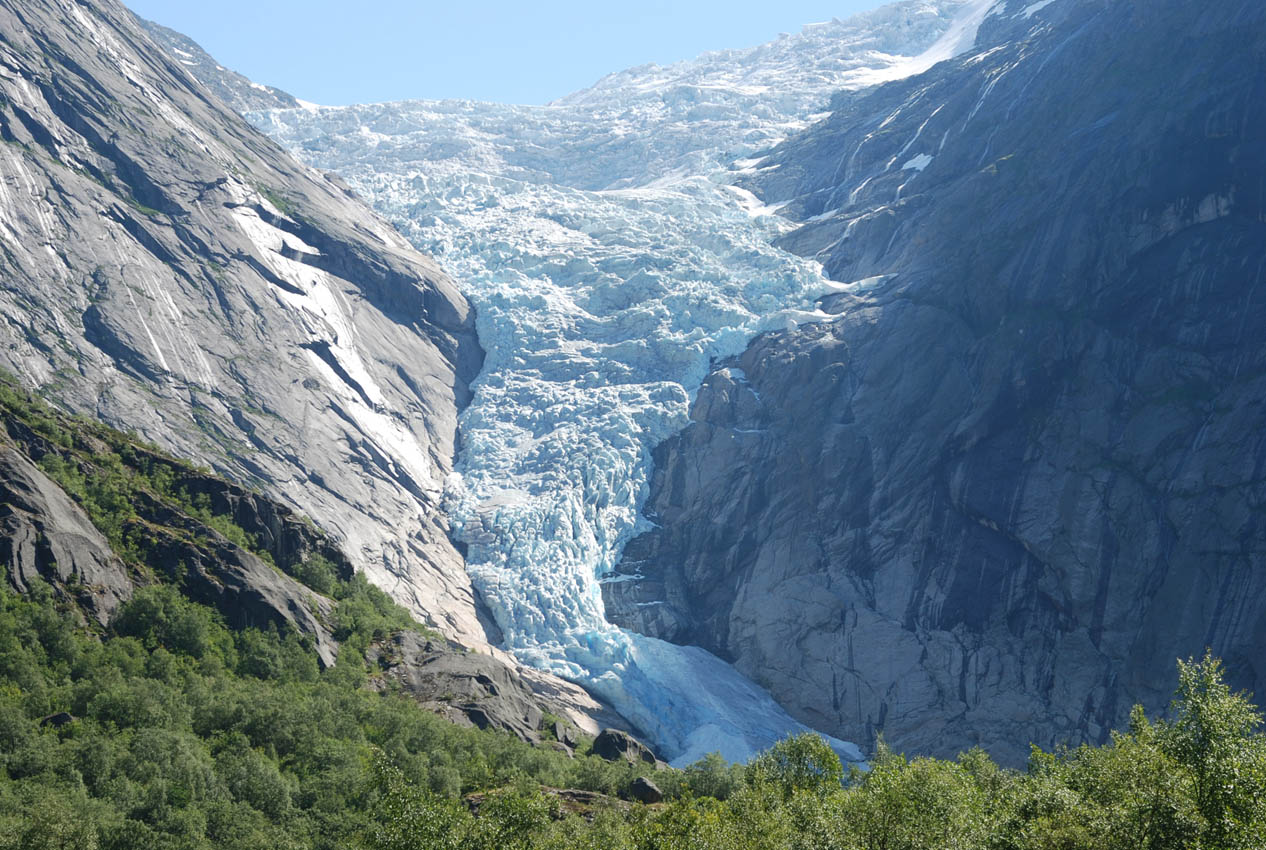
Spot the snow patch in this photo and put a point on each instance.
(753, 205)
(918, 163)
(823, 216)
(957, 39)
(1030, 11)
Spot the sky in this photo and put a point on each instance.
(338, 52)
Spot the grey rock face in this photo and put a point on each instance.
(239, 93)
(468, 688)
(286, 536)
(168, 270)
(1024, 468)
(45, 535)
(247, 591)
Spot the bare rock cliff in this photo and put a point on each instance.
(1024, 467)
(168, 270)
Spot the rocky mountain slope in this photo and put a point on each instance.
(610, 260)
(167, 269)
(234, 90)
(94, 515)
(982, 490)
(1023, 468)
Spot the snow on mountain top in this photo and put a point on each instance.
(813, 61)
(651, 122)
(957, 38)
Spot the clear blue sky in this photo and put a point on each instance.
(361, 51)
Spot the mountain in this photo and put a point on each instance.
(609, 259)
(234, 90)
(170, 271)
(1020, 467)
(898, 376)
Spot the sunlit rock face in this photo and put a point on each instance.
(611, 261)
(1022, 468)
(170, 271)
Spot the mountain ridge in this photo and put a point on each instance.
(204, 218)
(1014, 473)
(955, 483)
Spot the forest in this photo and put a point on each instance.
(169, 729)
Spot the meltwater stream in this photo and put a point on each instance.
(609, 263)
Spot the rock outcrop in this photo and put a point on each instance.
(239, 93)
(44, 535)
(239, 584)
(616, 745)
(168, 270)
(645, 791)
(1023, 467)
(468, 688)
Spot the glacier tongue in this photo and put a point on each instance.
(600, 317)
(610, 265)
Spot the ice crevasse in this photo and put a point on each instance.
(610, 262)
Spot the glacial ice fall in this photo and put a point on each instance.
(610, 261)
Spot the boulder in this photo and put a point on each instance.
(615, 745)
(565, 733)
(470, 688)
(560, 747)
(645, 791)
(58, 720)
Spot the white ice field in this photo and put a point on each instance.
(610, 262)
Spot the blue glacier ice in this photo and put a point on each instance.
(610, 261)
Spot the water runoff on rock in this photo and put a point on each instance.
(610, 262)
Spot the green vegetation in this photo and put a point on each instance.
(142, 208)
(1197, 780)
(109, 473)
(283, 205)
(190, 735)
(180, 733)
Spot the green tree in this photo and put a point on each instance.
(803, 762)
(159, 616)
(1216, 735)
(924, 804)
(411, 818)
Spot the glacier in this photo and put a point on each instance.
(611, 262)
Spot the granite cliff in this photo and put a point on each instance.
(168, 270)
(1023, 467)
